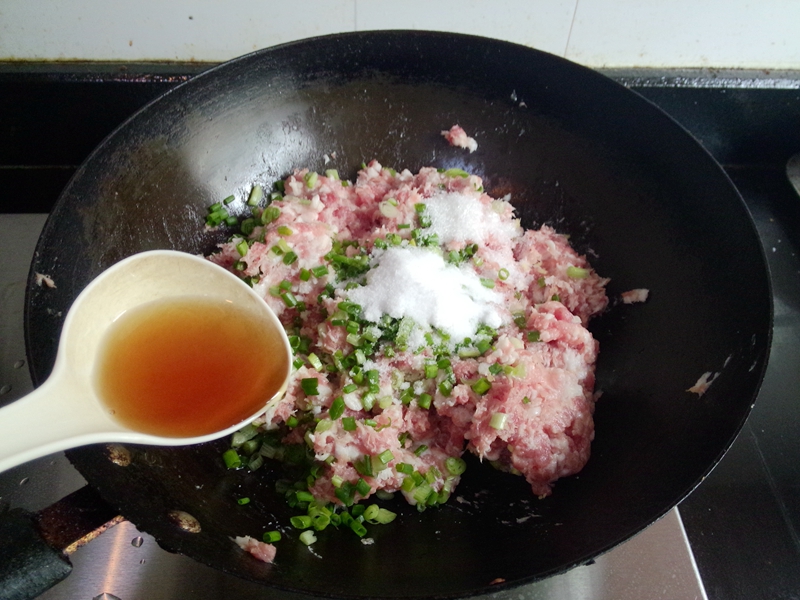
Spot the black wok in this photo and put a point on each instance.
(576, 151)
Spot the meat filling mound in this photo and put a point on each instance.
(425, 323)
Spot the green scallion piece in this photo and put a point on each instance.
(309, 385)
(319, 271)
(332, 174)
(337, 408)
(362, 487)
(503, 274)
(420, 449)
(243, 501)
(270, 214)
(349, 423)
(271, 536)
(288, 299)
(284, 230)
(300, 521)
(533, 336)
(292, 422)
(311, 179)
(404, 468)
(488, 283)
(349, 388)
(232, 459)
(358, 528)
(256, 194)
(445, 387)
(386, 456)
(315, 361)
(577, 272)
(289, 258)
(242, 247)
(556, 298)
(424, 401)
(455, 465)
(481, 386)
(498, 421)
(456, 173)
(308, 537)
(228, 200)
(431, 370)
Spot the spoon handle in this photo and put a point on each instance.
(45, 421)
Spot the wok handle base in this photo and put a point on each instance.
(28, 566)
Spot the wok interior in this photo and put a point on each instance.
(575, 151)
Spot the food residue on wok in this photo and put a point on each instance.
(425, 322)
(456, 136)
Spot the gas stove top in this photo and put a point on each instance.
(736, 536)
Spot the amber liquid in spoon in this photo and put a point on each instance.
(188, 366)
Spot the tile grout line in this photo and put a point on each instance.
(571, 25)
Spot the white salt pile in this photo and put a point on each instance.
(419, 284)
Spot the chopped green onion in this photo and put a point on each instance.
(498, 421)
(232, 459)
(455, 465)
(228, 200)
(284, 230)
(337, 408)
(496, 369)
(246, 433)
(289, 258)
(300, 521)
(556, 298)
(308, 537)
(271, 536)
(243, 501)
(242, 247)
(577, 272)
(503, 274)
(445, 387)
(256, 194)
(362, 487)
(270, 214)
(404, 468)
(526, 400)
(311, 179)
(292, 422)
(481, 386)
(386, 456)
(424, 401)
(349, 423)
(315, 361)
(319, 271)
(456, 173)
(358, 528)
(485, 282)
(349, 388)
(420, 449)
(288, 299)
(533, 336)
(332, 174)
(431, 370)
(309, 385)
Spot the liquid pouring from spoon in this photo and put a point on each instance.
(142, 359)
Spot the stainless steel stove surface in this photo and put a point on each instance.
(741, 525)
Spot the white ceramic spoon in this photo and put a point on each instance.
(65, 411)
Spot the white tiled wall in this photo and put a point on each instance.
(599, 33)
